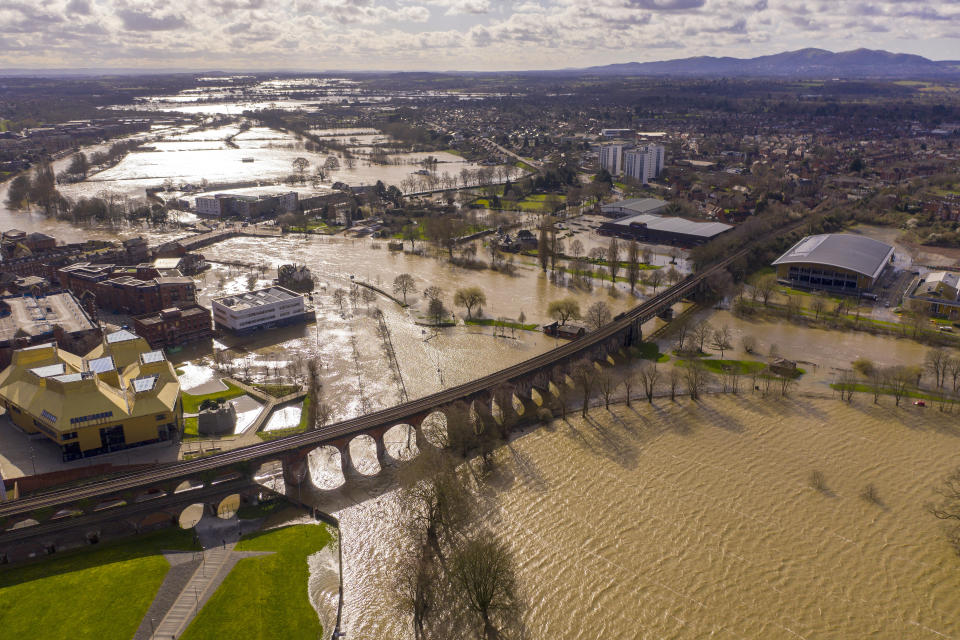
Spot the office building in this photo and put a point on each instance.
(263, 309)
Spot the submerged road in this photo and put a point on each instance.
(356, 426)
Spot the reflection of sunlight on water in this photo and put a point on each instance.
(194, 375)
(247, 411)
(284, 418)
(401, 442)
(363, 454)
(325, 470)
(324, 582)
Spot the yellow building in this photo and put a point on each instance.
(119, 395)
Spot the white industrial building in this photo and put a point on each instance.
(271, 307)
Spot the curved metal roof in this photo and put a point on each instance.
(855, 253)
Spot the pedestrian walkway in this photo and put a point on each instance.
(197, 591)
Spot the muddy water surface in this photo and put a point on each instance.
(686, 521)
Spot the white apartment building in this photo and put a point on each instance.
(644, 163)
(611, 158)
(262, 309)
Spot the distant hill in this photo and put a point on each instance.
(805, 63)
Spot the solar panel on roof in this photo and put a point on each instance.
(120, 336)
(144, 384)
(49, 370)
(101, 365)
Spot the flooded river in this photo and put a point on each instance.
(694, 521)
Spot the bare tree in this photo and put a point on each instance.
(470, 297)
(817, 305)
(749, 343)
(628, 380)
(484, 572)
(576, 249)
(339, 297)
(696, 378)
(900, 379)
(655, 279)
(598, 314)
(585, 376)
(404, 284)
(682, 331)
(721, 340)
(765, 286)
(937, 362)
(673, 378)
(701, 333)
(607, 383)
(633, 264)
(649, 376)
(613, 260)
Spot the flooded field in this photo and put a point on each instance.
(690, 520)
(820, 352)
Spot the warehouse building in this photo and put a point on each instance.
(633, 206)
(843, 263)
(119, 395)
(664, 230)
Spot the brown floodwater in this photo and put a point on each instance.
(687, 520)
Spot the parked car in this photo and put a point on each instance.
(919, 403)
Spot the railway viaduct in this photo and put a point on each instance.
(144, 496)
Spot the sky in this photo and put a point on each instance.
(440, 35)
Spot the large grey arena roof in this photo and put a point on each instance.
(843, 251)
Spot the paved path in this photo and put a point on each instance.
(195, 593)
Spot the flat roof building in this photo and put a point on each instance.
(271, 307)
(26, 320)
(834, 261)
(120, 395)
(664, 230)
(633, 206)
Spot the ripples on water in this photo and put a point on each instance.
(692, 521)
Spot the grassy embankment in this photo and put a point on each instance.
(509, 324)
(106, 589)
(266, 596)
(191, 403)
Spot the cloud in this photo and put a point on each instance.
(79, 7)
(449, 34)
(668, 5)
(142, 21)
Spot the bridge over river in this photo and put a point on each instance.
(163, 483)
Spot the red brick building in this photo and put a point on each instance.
(174, 327)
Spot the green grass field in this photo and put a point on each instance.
(649, 351)
(265, 597)
(109, 589)
(191, 403)
(489, 322)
